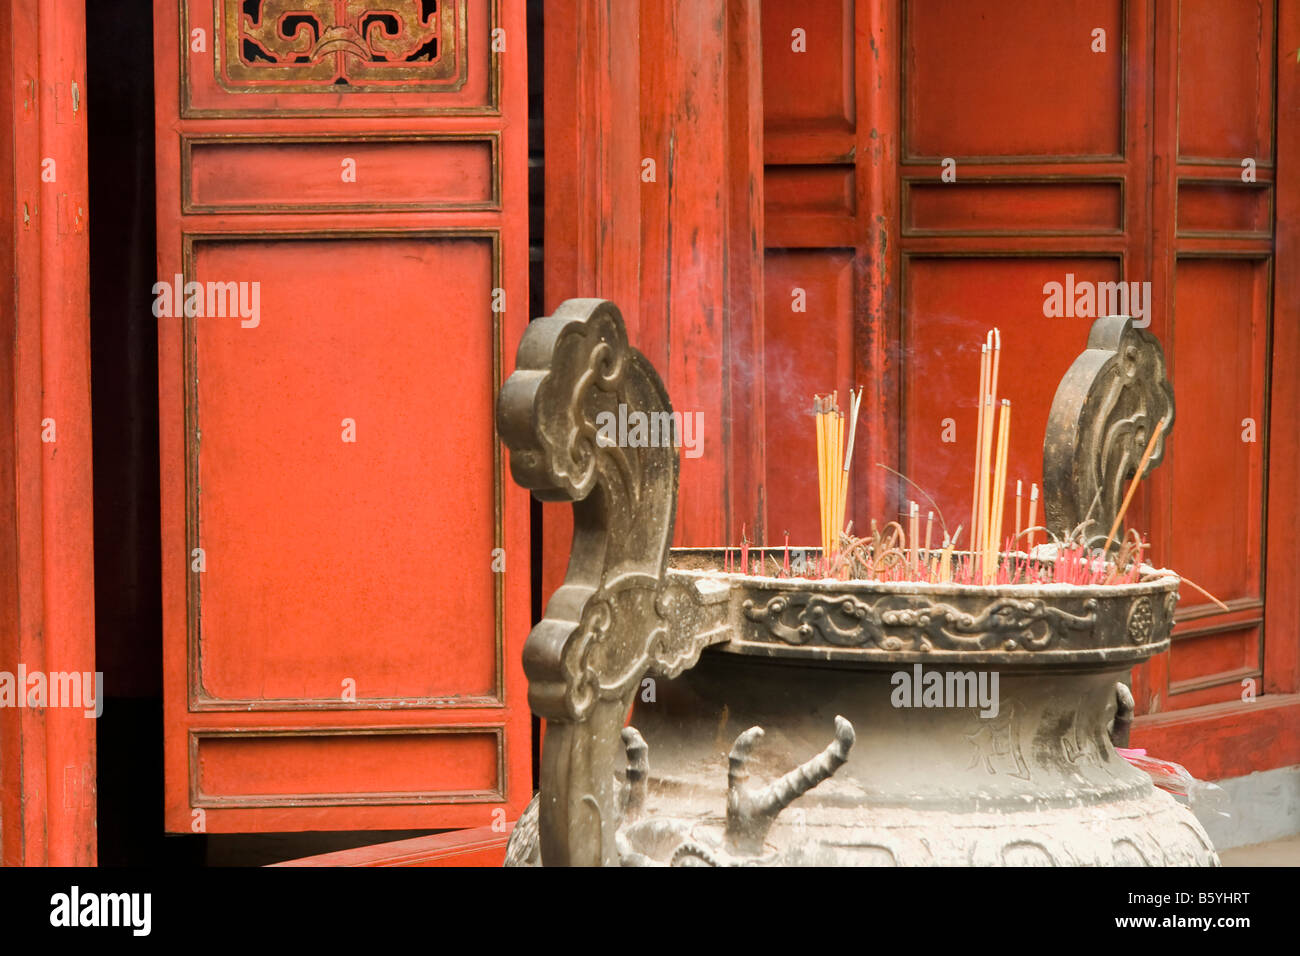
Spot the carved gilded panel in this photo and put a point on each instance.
(340, 46)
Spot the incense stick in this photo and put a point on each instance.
(1132, 487)
(993, 531)
(1016, 538)
(913, 531)
(902, 553)
(1205, 592)
(1033, 513)
(979, 440)
(995, 359)
(985, 488)
(855, 402)
(837, 472)
(821, 467)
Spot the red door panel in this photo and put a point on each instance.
(345, 560)
(948, 303)
(313, 542)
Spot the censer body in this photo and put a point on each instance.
(735, 683)
(1025, 774)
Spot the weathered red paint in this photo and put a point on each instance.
(47, 756)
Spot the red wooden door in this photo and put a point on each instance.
(345, 564)
(932, 165)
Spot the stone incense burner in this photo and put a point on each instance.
(785, 721)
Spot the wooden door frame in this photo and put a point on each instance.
(47, 756)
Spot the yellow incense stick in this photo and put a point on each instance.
(995, 365)
(1132, 487)
(986, 492)
(999, 494)
(821, 466)
(855, 402)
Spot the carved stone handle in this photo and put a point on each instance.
(750, 811)
(1114, 394)
(615, 617)
(1121, 725)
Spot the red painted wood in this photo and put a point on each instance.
(1226, 102)
(336, 663)
(681, 256)
(1014, 207)
(1228, 739)
(741, 429)
(683, 236)
(1281, 582)
(47, 618)
(960, 55)
(479, 846)
(592, 130)
(248, 174)
(1214, 314)
(1218, 208)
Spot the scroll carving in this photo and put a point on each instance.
(616, 617)
(1102, 417)
(887, 624)
(307, 46)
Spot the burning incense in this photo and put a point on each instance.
(1132, 487)
(834, 461)
(900, 552)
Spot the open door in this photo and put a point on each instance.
(345, 563)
